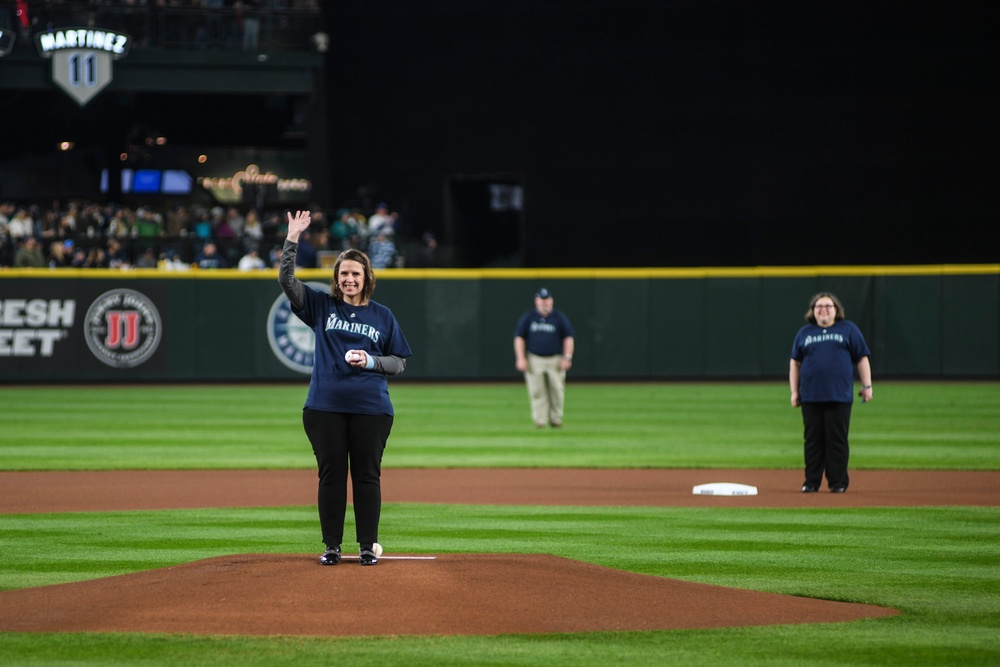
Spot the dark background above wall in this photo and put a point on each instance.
(663, 133)
(641, 133)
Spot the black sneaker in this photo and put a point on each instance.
(367, 557)
(330, 557)
(809, 488)
(838, 489)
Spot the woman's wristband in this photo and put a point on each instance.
(866, 386)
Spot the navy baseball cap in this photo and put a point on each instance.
(543, 294)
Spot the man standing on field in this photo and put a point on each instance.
(543, 351)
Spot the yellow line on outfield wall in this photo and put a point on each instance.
(568, 273)
(701, 272)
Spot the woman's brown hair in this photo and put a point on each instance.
(837, 306)
(360, 257)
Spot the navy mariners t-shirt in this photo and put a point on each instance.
(828, 356)
(543, 336)
(336, 386)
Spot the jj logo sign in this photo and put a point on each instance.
(123, 328)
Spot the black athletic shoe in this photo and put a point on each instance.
(367, 557)
(838, 489)
(330, 557)
(809, 488)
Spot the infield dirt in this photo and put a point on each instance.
(270, 594)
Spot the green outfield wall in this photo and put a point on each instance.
(631, 324)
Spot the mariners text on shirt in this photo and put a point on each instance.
(334, 322)
(822, 338)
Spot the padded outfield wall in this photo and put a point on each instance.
(631, 324)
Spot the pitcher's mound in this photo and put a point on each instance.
(454, 594)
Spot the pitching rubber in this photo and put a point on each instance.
(395, 558)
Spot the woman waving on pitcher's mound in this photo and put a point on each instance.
(347, 414)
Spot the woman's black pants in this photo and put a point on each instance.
(348, 442)
(826, 446)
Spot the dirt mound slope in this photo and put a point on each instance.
(481, 594)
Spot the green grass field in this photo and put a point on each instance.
(952, 426)
(939, 565)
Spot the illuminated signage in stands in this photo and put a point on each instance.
(151, 181)
(81, 58)
(228, 188)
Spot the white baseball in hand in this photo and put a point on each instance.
(352, 356)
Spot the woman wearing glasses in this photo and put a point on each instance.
(821, 376)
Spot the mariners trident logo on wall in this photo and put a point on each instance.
(81, 58)
(292, 342)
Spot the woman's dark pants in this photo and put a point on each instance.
(348, 442)
(826, 446)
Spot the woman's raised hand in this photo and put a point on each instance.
(298, 224)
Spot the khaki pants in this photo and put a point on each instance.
(546, 382)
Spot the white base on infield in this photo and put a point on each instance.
(725, 489)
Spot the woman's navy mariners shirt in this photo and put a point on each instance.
(828, 356)
(336, 386)
(543, 336)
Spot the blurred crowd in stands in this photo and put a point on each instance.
(108, 236)
(216, 24)
(83, 234)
